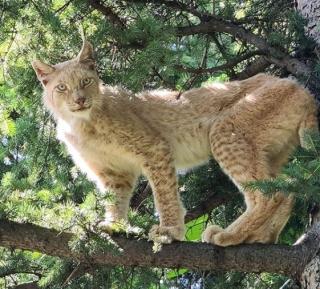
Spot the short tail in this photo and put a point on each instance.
(309, 125)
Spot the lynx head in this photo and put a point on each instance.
(71, 88)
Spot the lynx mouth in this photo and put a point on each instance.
(81, 108)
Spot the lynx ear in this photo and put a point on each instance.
(86, 55)
(42, 70)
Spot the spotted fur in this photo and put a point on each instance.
(250, 127)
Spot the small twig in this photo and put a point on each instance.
(63, 7)
(79, 270)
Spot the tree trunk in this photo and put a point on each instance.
(310, 278)
(310, 9)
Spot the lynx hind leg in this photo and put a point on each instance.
(264, 217)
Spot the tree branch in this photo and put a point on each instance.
(278, 57)
(288, 260)
(206, 206)
(108, 12)
(230, 64)
(213, 201)
(17, 271)
(144, 191)
(210, 23)
(176, 5)
(30, 285)
(63, 7)
(253, 68)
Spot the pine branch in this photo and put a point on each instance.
(17, 271)
(63, 7)
(213, 201)
(278, 57)
(176, 5)
(258, 65)
(108, 12)
(230, 64)
(117, 23)
(30, 285)
(288, 260)
(210, 24)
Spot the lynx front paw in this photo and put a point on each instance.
(165, 235)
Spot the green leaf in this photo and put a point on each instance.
(195, 228)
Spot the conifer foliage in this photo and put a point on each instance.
(139, 44)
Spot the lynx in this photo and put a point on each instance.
(250, 127)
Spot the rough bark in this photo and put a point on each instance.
(310, 9)
(310, 278)
(260, 64)
(288, 260)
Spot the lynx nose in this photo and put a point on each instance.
(80, 101)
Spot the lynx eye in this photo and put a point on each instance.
(86, 81)
(61, 87)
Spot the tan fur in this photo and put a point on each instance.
(250, 127)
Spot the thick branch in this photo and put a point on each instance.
(258, 65)
(219, 25)
(198, 256)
